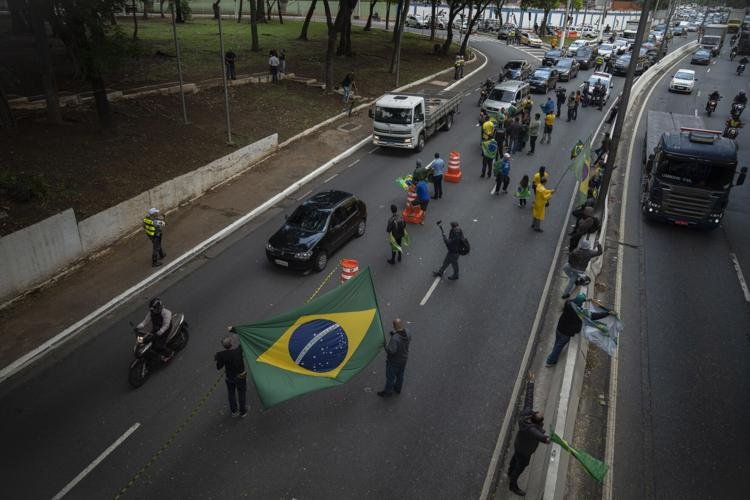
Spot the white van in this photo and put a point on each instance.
(504, 93)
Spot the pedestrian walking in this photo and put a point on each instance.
(523, 192)
(530, 434)
(489, 153)
(538, 208)
(515, 136)
(579, 97)
(501, 169)
(230, 359)
(549, 121)
(571, 104)
(561, 94)
(397, 353)
(153, 225)
(348, 85)
(568, 325)
(578, 261)
(456, 244)
(586, 222)
(423, 196)
(229, 59)
(273, 64)
(438, 169)
(396, 230)
(282, 61)
(534, 126)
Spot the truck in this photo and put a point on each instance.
(713, 37)
(688, 171)
(406, 121)
(631, 29)
(734, 24)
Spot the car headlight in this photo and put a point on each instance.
(303, 255)
(270, 247)
(408, 140)
(377, 137)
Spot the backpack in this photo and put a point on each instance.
(464, 247)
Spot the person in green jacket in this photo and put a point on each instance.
(534, 126)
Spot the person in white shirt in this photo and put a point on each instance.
(273, 63)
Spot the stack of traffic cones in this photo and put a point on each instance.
(454, 167)
(413, 213)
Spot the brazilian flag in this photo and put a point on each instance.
(595, 467)
(321, 344)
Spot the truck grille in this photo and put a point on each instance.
(392, 132)
(394, 140)
(685, 202)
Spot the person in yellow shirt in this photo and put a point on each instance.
(549, 120)
(488, 130)
(538, 208)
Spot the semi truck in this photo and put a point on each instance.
(688, 171)
(713, 37)
(406, 121)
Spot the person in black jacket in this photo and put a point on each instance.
(396, 230)
(453, 241)
(530, 434)
(569, 325)
(236, 375)
(397, 350)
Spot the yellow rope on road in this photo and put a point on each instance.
(195, 410)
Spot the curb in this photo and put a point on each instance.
(79, 326)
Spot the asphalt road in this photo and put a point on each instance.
(433, 441)
(684, 363)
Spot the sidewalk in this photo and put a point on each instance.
(41, 315)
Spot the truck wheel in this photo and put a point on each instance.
(420, 143)
(448, 122)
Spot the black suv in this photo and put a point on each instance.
(552, 56)
(585, 56)
(568, 68)
(316, 229)
(543, 80)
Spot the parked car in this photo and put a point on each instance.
(506, 29)
(417, 21)
(530, 39)
(588, 32)
(316, 229)
(683, 81)
(567, 68)
(505, 93)
(622, 45)
(679, 31)
(517, 69)
(552, 56)
(585, 57)
(544, 79)
(701, 56)
(606, 49)
(577, 44)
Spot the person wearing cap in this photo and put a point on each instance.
(568, 325)
(578, 261)
(153, 224)
(453, 242)
(230, 359)
(420, 172)
(501, 169)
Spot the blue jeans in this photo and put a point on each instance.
(573, 275)
(237, 387)
(560, 342)
(347, 90)
(394, 377)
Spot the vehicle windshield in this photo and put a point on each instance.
(684, 75)
(564, 63)
(501, 95)
(698, 174)
(606, 47)
(540, 73)
(514, 65)
(309, 218)
(393, 115)
(594, 78)
(583, 52)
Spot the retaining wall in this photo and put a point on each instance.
(37, 253)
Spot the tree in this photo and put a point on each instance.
(36, 11)
(135, 23)
(396, 25)
(344, 26)
(399, 30)
(182, 10)
(255, 43)
(368, 25)
(387, 13)
(330, 46)
(7, 120)
(480, 6)
(546, 6)
(306, 24)
(18, 24)
(147, 5)
(161, 9)
(433, 18)
(216, 9)
(239, 12)
(454, 7)
(261, 15)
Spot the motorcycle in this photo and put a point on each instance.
(711, 106)
(733, 54)
(730, 132)
(737, 109)
(146, 358)
(740, 69)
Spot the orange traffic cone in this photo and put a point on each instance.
(454, 167)
(349, 269)
(413, 213)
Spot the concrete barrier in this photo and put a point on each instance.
(37, 252)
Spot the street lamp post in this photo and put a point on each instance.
(623, 107)
(179, 64)
(224, 77)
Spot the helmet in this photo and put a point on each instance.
(742, 93)
(155, 306)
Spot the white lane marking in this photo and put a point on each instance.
(330, 179)
(695, 112)
(373, 150)
(96, 462)
(429, 292)
(741, 277)
(352, 164)
(609, 448)
(698, 94)
(708, 70)
(302, 197)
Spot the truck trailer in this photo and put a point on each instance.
(406, 121)
(713, 37)
(688, 171)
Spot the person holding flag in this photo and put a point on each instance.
(489, 153)
(538, 208)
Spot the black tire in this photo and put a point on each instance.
(708, 111)
(448, 122)
(321, 260)
(181, 340)
(139, 373)
(420, 143)
(361, 228)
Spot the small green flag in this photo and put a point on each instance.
(596, 468)
(321, 344)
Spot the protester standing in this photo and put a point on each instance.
(561, 94)
(501, 170)
(229, 59)
(397, 353)
(396, 230)
(524, 191)
(423, 195)
(586, 223)
(538, 209)
(454, 242)
(230, 359)
(534, 126)
(153, 225)
(603, 147)
(579, 97)
(568, 325)
(578, 262)
(489, 153)
(571, 106)
(282, 61)
(530, 434)
(515, 136)
(273, 64)
(549, 121)
(438, 169)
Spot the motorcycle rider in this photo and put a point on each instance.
(158, 321)
(740, 98)
(733, 53)
(741, 66)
